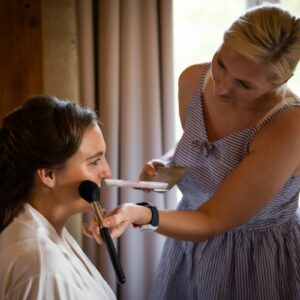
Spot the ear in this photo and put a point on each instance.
(46, 176)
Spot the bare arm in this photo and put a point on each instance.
(273, 158)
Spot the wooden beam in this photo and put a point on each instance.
(21, 57)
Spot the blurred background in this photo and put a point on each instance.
(123, 59)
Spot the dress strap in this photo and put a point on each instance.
(206, 73)
(274, 111)
(204, 77)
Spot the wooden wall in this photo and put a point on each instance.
(38, 51)
(21, 56)
(60, 49)
(38, 54)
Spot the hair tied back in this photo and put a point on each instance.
(3, 172)
(3, 134)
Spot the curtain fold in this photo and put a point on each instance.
(250, 3)
(126, 67)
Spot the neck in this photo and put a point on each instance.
(55, 214)
(271, 99)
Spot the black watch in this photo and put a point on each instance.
(153, 225)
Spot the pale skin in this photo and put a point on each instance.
(55, 192)
(237, 95)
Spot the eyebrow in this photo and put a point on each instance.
(220, 60)
(98, 154)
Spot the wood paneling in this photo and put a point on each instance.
(21, 57)
(60, 49)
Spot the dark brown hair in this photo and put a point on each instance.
(42, 133)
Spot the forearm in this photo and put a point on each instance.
(185, 225)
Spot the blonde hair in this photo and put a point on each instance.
(270, 35)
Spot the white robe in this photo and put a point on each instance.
(36, 263)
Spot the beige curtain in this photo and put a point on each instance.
(126, 68)
(250, 3)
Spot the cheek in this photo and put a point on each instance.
(71, 178)
(93, 173)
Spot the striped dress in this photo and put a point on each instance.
(257, 260)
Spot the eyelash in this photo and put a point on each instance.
(221, 64)
(95, 162)
(245, 86)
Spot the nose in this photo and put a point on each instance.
(223, 87)
(106, 171)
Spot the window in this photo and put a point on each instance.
(198, 30)
(294, 7)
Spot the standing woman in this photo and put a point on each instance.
(47, 147)
(236, 233)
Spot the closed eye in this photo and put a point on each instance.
(245, 85)
(220, 63)
(241, 82)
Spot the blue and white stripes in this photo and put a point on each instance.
(258, 260)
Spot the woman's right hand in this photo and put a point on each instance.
(118, 219)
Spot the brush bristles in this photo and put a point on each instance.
(89, 191)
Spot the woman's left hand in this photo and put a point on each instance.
(92, 231)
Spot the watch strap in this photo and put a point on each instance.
(153, 225)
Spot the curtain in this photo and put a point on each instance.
(126, 70)
(251, 3)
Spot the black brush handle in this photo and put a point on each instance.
(113, 254)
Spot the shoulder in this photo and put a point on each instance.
(281, 136)
(30, 257)
(18, 245)
(29, 252)
(19, 264)
(191, 74)
(188, 84)
(33, 264)
(285, 122)
(292, 98)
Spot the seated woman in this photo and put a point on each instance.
(47, 147)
